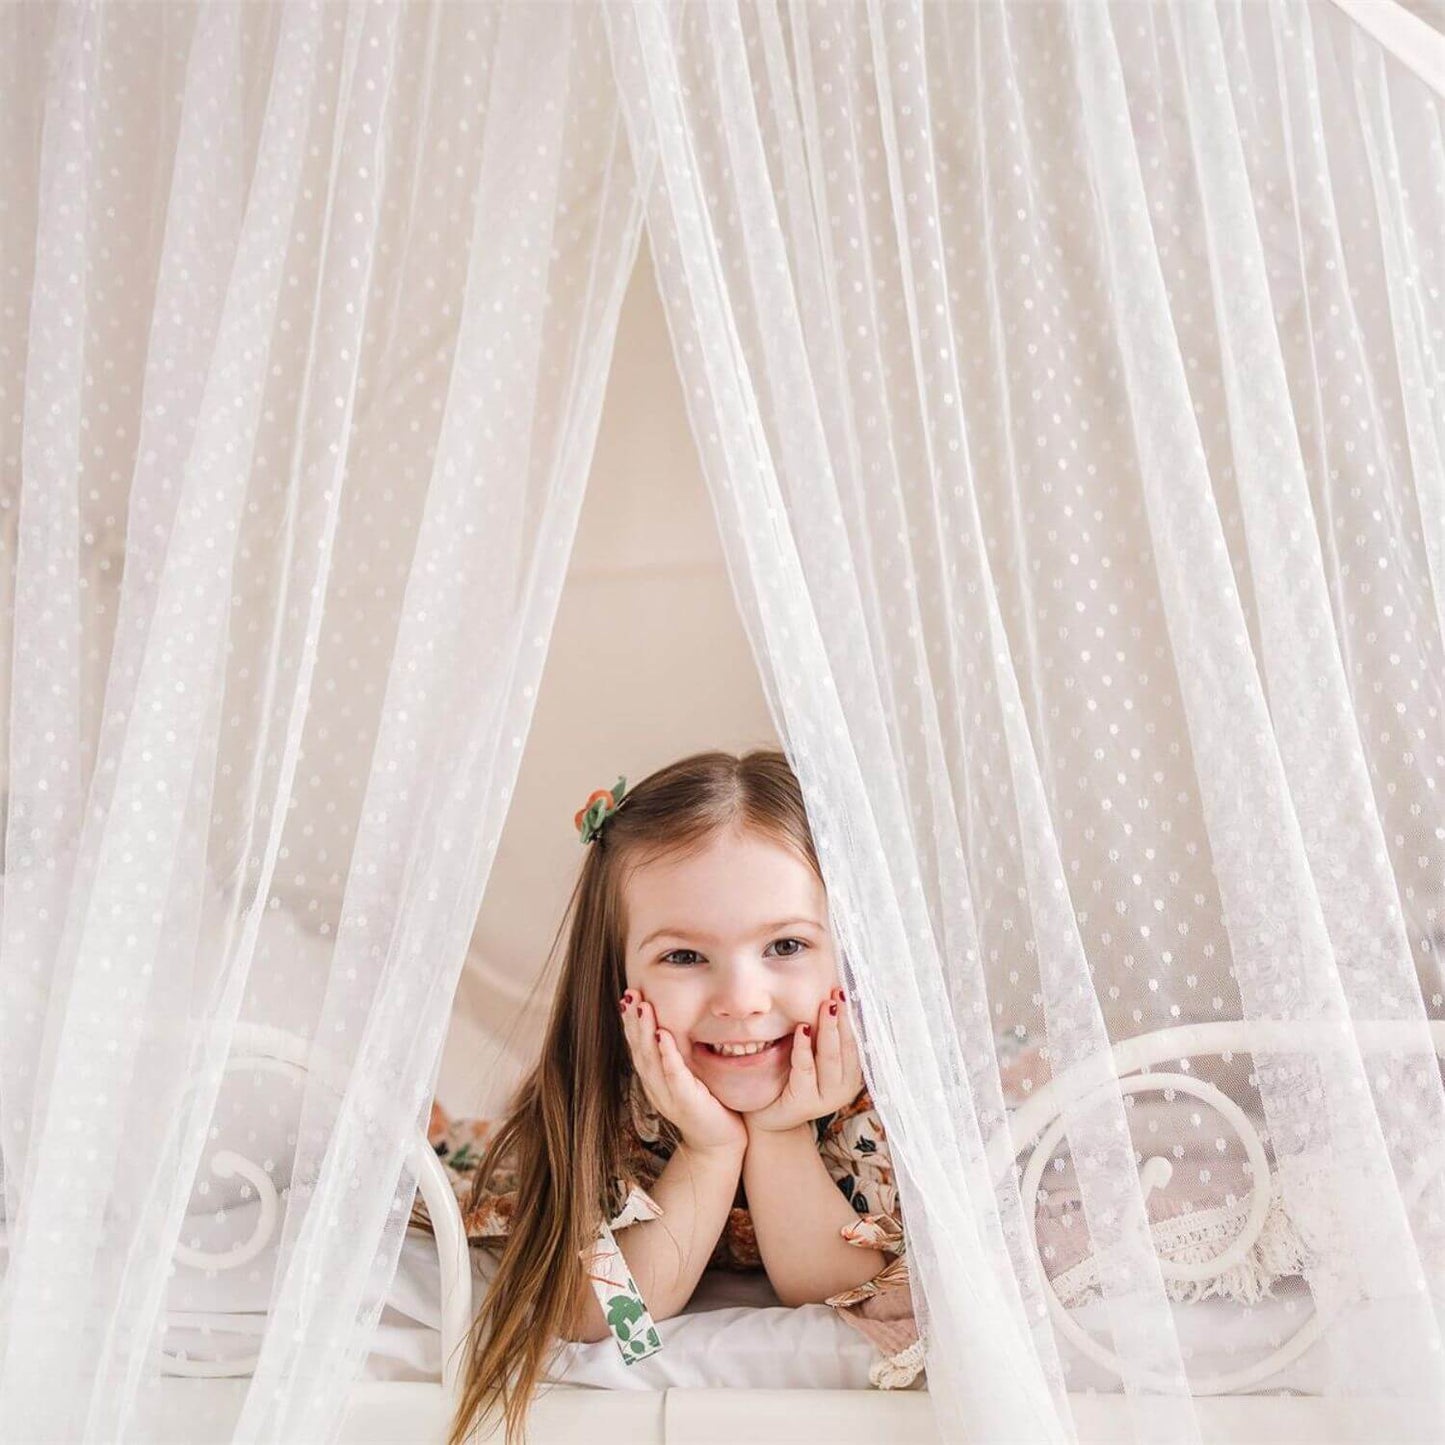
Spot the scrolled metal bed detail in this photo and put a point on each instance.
(270, 1050)
(1038, 1125)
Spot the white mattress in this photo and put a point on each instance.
(203, 1412)
(734, 1334)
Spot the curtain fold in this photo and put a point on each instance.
(1064, 377)
(312, 351)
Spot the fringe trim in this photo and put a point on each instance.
(1280, 1251)
(898, 1372)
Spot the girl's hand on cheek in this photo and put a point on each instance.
(825, 1074)
(671, 1087)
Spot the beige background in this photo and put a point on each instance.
(648, 662)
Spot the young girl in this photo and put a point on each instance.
(699, 1099)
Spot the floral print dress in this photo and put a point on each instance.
(854, 1150)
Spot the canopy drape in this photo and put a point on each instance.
(308, 311)
(1067, 380)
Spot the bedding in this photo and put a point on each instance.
(218, 1315)
(853, 1147)
(1199, 1196)
(734, 1334)
(260, 1100)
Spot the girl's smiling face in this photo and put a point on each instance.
(731, 945)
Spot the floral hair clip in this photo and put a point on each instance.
(598, 809)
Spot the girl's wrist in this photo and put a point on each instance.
(728, 1153)
(758, 1132)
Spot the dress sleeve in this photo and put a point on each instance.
(459, 1144)
(855, 1149)
(621, 1301)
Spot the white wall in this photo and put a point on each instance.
(648, 662)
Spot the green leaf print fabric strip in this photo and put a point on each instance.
(622, 1305)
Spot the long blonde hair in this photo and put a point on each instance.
(564, 1130)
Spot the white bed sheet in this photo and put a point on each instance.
(734, 1334)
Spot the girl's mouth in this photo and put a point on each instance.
(758, 1056)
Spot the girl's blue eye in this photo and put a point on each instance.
(793, 953)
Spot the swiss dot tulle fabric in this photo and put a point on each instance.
(1067, 378)
(307, 312)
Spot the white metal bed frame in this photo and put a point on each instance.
(1132, 1068)
(271, 1050)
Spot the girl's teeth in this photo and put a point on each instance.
(733, 1050)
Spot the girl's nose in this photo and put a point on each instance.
(741, 997)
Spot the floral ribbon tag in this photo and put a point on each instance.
(621, 1302)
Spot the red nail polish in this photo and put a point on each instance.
(639, 1010)
(808, 1030)
(832, 1008)
(622, 1008)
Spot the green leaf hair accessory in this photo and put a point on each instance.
(598, 809)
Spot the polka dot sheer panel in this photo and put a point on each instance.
(1067, 382)
(307, 313)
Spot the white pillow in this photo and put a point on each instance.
(258, 1109)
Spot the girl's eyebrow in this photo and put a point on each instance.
(766, 928)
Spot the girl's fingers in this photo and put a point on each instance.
(626, 1006)
(669, 1060)
(803, 1053)
(631, 1014)
(643, 1048)
(830, 1053)
(672, 1075)
(846, 1035)
(647, 1035)
(679, 1082)
(848, 1042)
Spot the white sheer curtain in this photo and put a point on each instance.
(307, 312)
(1068, 382)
